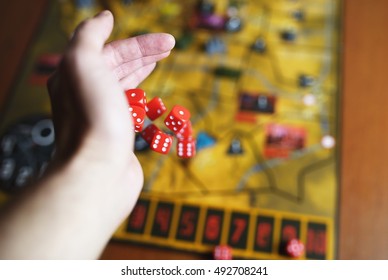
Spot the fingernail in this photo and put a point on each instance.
(103, 13)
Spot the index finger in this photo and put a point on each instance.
(123, 51)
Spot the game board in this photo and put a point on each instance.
(260, 79)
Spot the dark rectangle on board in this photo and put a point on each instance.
(290, 229)
(238, 230)
(213, 227)
(137, 219)
(264, 234)
(162, 219)
(316, 244)
(188, 222)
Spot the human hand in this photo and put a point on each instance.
(87, 90)
(95, 178)
(90, 111)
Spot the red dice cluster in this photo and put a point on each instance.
(178, 121)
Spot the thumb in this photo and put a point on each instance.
(93, 32)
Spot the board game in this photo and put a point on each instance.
(261, 80)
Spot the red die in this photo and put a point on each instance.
(158, 140)
(148, 133)
(186, 148)
(186, 132)
(155, 108)
(138, 115)
(136, 97)
(222, 252)
(161, 142)
(177, 118)
(295, 248)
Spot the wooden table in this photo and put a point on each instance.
(363, 217)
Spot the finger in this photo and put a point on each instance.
(137, 77)
(128, 68)
(123, 51)
(93, 32)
